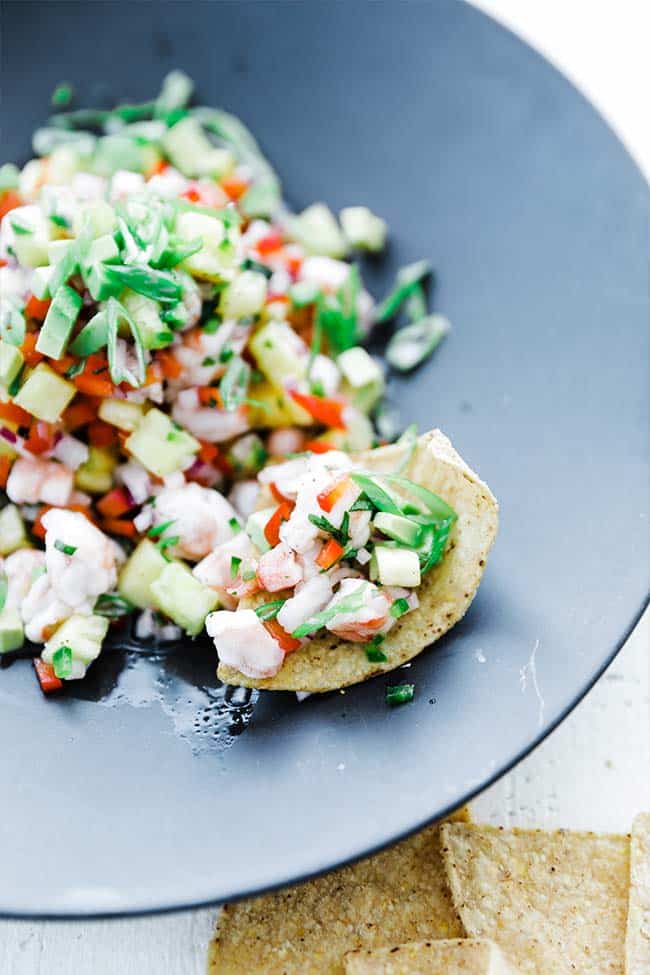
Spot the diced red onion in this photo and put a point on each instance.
(71, 452)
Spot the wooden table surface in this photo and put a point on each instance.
(592, 772)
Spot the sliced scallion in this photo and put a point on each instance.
(411, 345)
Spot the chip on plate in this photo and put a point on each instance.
(446, 957)
(554, 902)
(328, 662)
(398, 895)
(637, 941)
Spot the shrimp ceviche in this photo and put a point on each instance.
(186, 403)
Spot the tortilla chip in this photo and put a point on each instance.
(637, 940)
(450, 957)
(328, 662)
(555, 903)
(398, 895)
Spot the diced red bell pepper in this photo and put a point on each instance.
(41, 437)
(208, 451)
(9, 200)
(47, 679)
(15, 414)
(286, 641)
(5, 467)
(330, 553)
(271, 242)
(327, 499)
(119, 526)
(234, 187)
(278, 495)
(171, 367)
(114, 504)
(102, 434)
(28, 349)
(272, 527)
(318, 446)
(328, 411)
(37, 309)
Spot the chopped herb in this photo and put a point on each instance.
(211, 325)
(399, 607)
(340, 534)
(112, 606)
(235, 562)
(234, 524)
(62, 662)
(209, 361)
(4, 588)
(19, 227)
(268, 611)
(59, 221)
(159, 530)
(226, 354)
(16, 384)
(62, 95)
(167, 542)
(316, 388)
(375, 655)
(400, 694)
(66, 549)
(163, 338)
(251, 265)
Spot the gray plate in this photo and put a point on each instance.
(485, 160)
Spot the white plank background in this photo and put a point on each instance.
(594, 771)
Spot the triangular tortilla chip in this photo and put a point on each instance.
(637, 940)
(398, 895)
(449, 957)
(448, 589)
(555, 903)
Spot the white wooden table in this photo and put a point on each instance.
(593, 771)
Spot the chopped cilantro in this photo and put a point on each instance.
(62, 547)
(399, 694)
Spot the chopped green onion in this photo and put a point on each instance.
(62, 95)
(158, 530)
(340, 534)
(407, 280)
(176, 252)
(119, 372)
(75, 369)
(66, 549)
(376, 494)
(235, 562)
(375, 655)
(348, 604)
(62, 662)
(433, 503)
(59, 221)
(234, 524)
(146, 281)
(399, 607)
(175, 93)
(211, 325)
(400, 694)
(414, 343)
(167, 542)
(19, 227)
(234, 384)
(268, 611)
(416, 304)
(9, 177)
(248, 264)
(92, 336)
(209, 361)
(112, 606)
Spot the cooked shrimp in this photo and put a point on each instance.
(80, 559)
(216, 569)
(243, 497)
(372, 618)
(210, 423)
(242, 642)
(36, 480)
(286, 440)
(22, 568)
(200, 517)
(309, 598)
(278, 569)
(42, 610)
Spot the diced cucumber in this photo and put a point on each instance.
(104, 249)
(96, 474)
(399, 528)
(359, 368)
(99, 282)
(41, 281)
(98, 215)
(31, 249)
(12, 530)
(121, 413)
(84, 636)
(142, 568)
(59, 322)
(216, 259)
(248, 454)
(318, 232)
(57, 249)
(12, 634)
(255, 528)
(145, 312)
(279, 353)
(192, 153)
(244, 296)
(45, 394)
(363, 228)
(183, 598)
(11, 362)
(395, 566)
(159, 446)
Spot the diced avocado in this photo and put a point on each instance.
(244, 296)
(12, 530)
(399, 528)
(255, 528)
(59, 322)
(145, 312)
(217, 257)
(318, 232)
(11, 362)
(363, 228)
(98, 215)
(142, 568)
(183, 598)
(96, 474)
(12, 635)
(121, 413)
(160, 446)
(190, 151)
(84, 636)
(41, 281)
(395, 566)
(248, 454)
(45, 394)
(279, 353)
